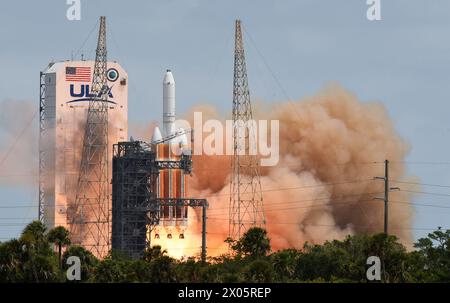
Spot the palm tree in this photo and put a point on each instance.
(33, 240)
(154, 252)
(59, 236)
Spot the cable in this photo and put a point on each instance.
(425, 193)
(308, 200)
(218, 195)
(421, 162)
(226, 169)
(419, 204)
(417, 183)
(298, 187)
(331, 225)
(17, 139)
(87, 38)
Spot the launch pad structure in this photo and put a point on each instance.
(136, 208)
(149, 184)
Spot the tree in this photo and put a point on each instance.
(110, 271)
(60, 237)
(87, 259)
(284, 263)
(163, 270)
(189, 270)
(11, 258)
(431, 263)
(253, 243)
(259, 271)
(339, 261)
(39, 262)
(154, 252)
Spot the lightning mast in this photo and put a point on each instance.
(246, 202)
(89, 220)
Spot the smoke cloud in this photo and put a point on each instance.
(331, 147)
(18, 143)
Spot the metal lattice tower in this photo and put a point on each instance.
(42, 135)
(89, 220)
(246, 203)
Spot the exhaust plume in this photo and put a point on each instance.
(331, 148)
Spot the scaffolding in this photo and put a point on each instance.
(133, 185)
(136, 208)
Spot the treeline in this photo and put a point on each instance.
(37, 257)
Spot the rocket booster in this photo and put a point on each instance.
(168, 104)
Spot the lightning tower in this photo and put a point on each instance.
(246, 203)
(89, 216)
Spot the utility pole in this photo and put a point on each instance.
(204, 233)
(386, 194)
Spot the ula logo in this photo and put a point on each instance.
(85, 95)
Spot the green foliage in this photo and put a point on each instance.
(346, 260)
(254, 243)
(11, 259)
(87, 259)
(284, 263)
(60, 237)
(431, 261)
(259, 271)
(32, 259)
(154, 252)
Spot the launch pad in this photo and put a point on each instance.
(136, 208)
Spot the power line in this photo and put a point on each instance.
(219, 195)
(423, 162)
(308, 200)
(85, 40)
(217, 168)
(340, 203)
(424, 184)
(426, 193)
(330, 225)
(17, 139)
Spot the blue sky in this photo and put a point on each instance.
(402, 61)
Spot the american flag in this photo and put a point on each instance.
(79, 74)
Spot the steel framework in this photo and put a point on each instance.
(42, 133)
(134, 180)
(136, 208)
(88, 218)
(246, 202)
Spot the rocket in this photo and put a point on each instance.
(171, 182)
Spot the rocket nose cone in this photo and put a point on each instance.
(168, 78)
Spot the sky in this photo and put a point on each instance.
(294, 48)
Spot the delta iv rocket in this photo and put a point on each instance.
(172, 182)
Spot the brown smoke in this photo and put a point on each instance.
(331, 147)
(18, 143)
(328, 145)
